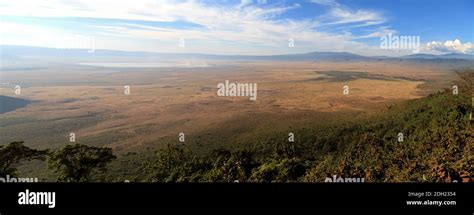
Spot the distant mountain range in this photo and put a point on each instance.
(444, 56)
(10, 52)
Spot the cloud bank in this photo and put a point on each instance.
(216, 27)
(450, 46)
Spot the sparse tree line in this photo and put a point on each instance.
(73, 163)
(438, 147)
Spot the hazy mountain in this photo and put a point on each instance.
(444, 56)
(14, 52)
(27, 51)
(31, 51)
(319, 56)
(459, 56)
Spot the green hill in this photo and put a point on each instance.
(437, 146)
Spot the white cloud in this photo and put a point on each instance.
(339, 14)
(244, 3)
(247, 24)
(380, 32)
(325, 2)
(14, 33)
(450, 46)
(346, 16)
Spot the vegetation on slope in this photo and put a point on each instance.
(437, 146)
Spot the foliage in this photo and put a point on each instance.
(76, 162)
(14, 153)
(437, 146)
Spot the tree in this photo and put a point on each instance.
(175, 164)
(14, 153)
(230, 166)
(75, 163)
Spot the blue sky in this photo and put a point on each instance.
(260, 27)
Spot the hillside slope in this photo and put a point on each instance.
(437, 146)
